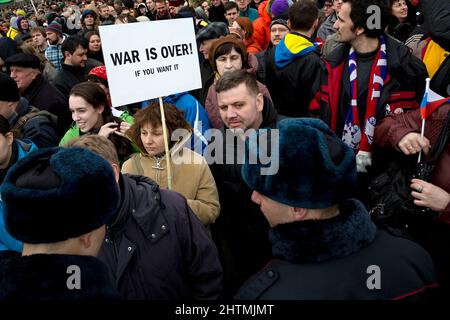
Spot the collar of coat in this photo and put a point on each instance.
(314, 241)
(140, 199)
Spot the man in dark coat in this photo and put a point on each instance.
(155, 246)
(45, 196)
(365, 78)
(325, 244)
(29, 122)
(73, 70)
(292, 68)
(240, 231)
(25, 70)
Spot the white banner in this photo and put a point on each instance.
(152, 59)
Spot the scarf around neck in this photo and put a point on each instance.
(356, 135)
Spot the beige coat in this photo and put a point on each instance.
(191, 177)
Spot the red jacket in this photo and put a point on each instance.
(392, 129)
(261, 27)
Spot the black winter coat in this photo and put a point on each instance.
(292, 87)
(68, 77)
(45, 96)
(342, 258)
(240, 231)
(437, 21)
(45, 277)
(157, 248)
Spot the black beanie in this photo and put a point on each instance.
(8, 89)
(54, 194)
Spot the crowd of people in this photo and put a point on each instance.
(85, 182)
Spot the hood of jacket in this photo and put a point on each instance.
(263, 14)
(291, 47)
(141, 197)
(173, 98)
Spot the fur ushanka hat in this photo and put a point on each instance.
(316, 169)
(55, 194)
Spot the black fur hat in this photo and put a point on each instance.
(55, 194)
(315, 168)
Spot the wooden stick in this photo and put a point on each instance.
(166, 144)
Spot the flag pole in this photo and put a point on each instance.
(34, 7)
(422, 131)
(166, 144)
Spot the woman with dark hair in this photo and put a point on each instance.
(95, 46)
(11, 151)
(228, 54)
(92, 115)
(402, 24)
(191, 175)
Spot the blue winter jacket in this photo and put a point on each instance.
(7, 242)
(194, 113)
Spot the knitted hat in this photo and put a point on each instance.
(21, 12)
(213, 30)
(55, 27)
(86, 12)
(99, 72)
(315, 168)
(279, 21)
(54, 194)
(278, 7)
(25, 60)
(9, 91)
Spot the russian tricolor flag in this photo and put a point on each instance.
(430, 102)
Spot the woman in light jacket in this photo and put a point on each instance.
(191, 175)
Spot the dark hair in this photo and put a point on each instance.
(360, 15)
(152, 115)
(231, 5)
(232, 79)
(72, 43)
(303, 14)
(93, 94)
(5, 127)
(223, 46)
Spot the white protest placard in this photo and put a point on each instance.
(152, 59)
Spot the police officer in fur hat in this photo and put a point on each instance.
(325, 243)
(57, 202)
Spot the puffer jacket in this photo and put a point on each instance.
(261, 26)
